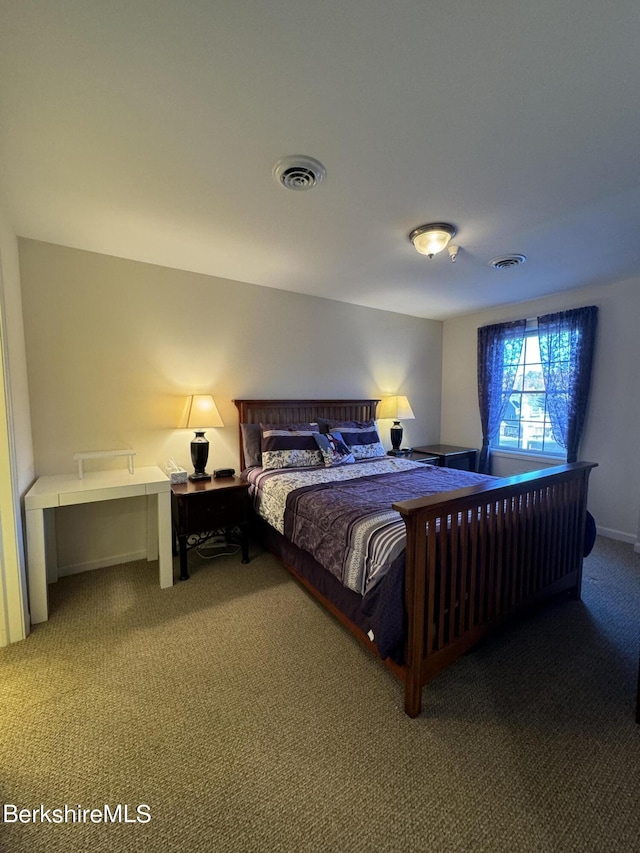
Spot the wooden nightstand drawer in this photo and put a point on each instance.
(228, 509)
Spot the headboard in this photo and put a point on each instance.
(301, 411)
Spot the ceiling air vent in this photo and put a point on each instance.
(299, 172)
(507, 261)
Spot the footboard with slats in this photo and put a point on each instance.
(479, 555)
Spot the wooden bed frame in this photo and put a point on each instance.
(510, 544)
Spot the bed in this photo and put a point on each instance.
(454, 556)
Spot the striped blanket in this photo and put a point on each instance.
(342, 516)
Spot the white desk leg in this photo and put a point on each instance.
(37, 566)
(165, 558)
(50, 545)
(152, 528)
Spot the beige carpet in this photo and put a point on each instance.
(248, 719)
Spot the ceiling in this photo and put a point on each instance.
(148, 129)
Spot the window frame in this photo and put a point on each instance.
(498, 449)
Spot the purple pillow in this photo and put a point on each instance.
(361, 437)
(252, 445)
(290, 446)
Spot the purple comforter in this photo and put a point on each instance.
(349, 526)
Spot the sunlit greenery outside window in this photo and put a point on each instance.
(526, 425)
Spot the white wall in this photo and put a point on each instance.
(614, 410)
(16, 454)
(114, 346)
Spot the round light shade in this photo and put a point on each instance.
(431, 239)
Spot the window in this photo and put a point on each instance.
(533, 386)
(526, 424)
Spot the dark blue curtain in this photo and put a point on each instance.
(499, 351)
(567, 342)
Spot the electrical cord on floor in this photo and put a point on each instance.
(204, 550)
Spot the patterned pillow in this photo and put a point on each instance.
(361, 437)
(290, 446)
(333, 449)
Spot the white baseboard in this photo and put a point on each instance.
(619, 535)
(89, 566)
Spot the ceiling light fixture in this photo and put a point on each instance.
(431, 239)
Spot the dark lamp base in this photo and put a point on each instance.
(199, 456)
(396, 435)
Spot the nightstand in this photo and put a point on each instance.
(452, 456)
(201, 508)
(417, 456)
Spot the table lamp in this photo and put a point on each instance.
(396, 409)
(201, 415)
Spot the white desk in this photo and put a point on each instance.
(66, 490)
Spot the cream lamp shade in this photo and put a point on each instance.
(202, 413)
(397, 409)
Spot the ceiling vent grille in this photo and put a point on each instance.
(507, 261)
(299, 172)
